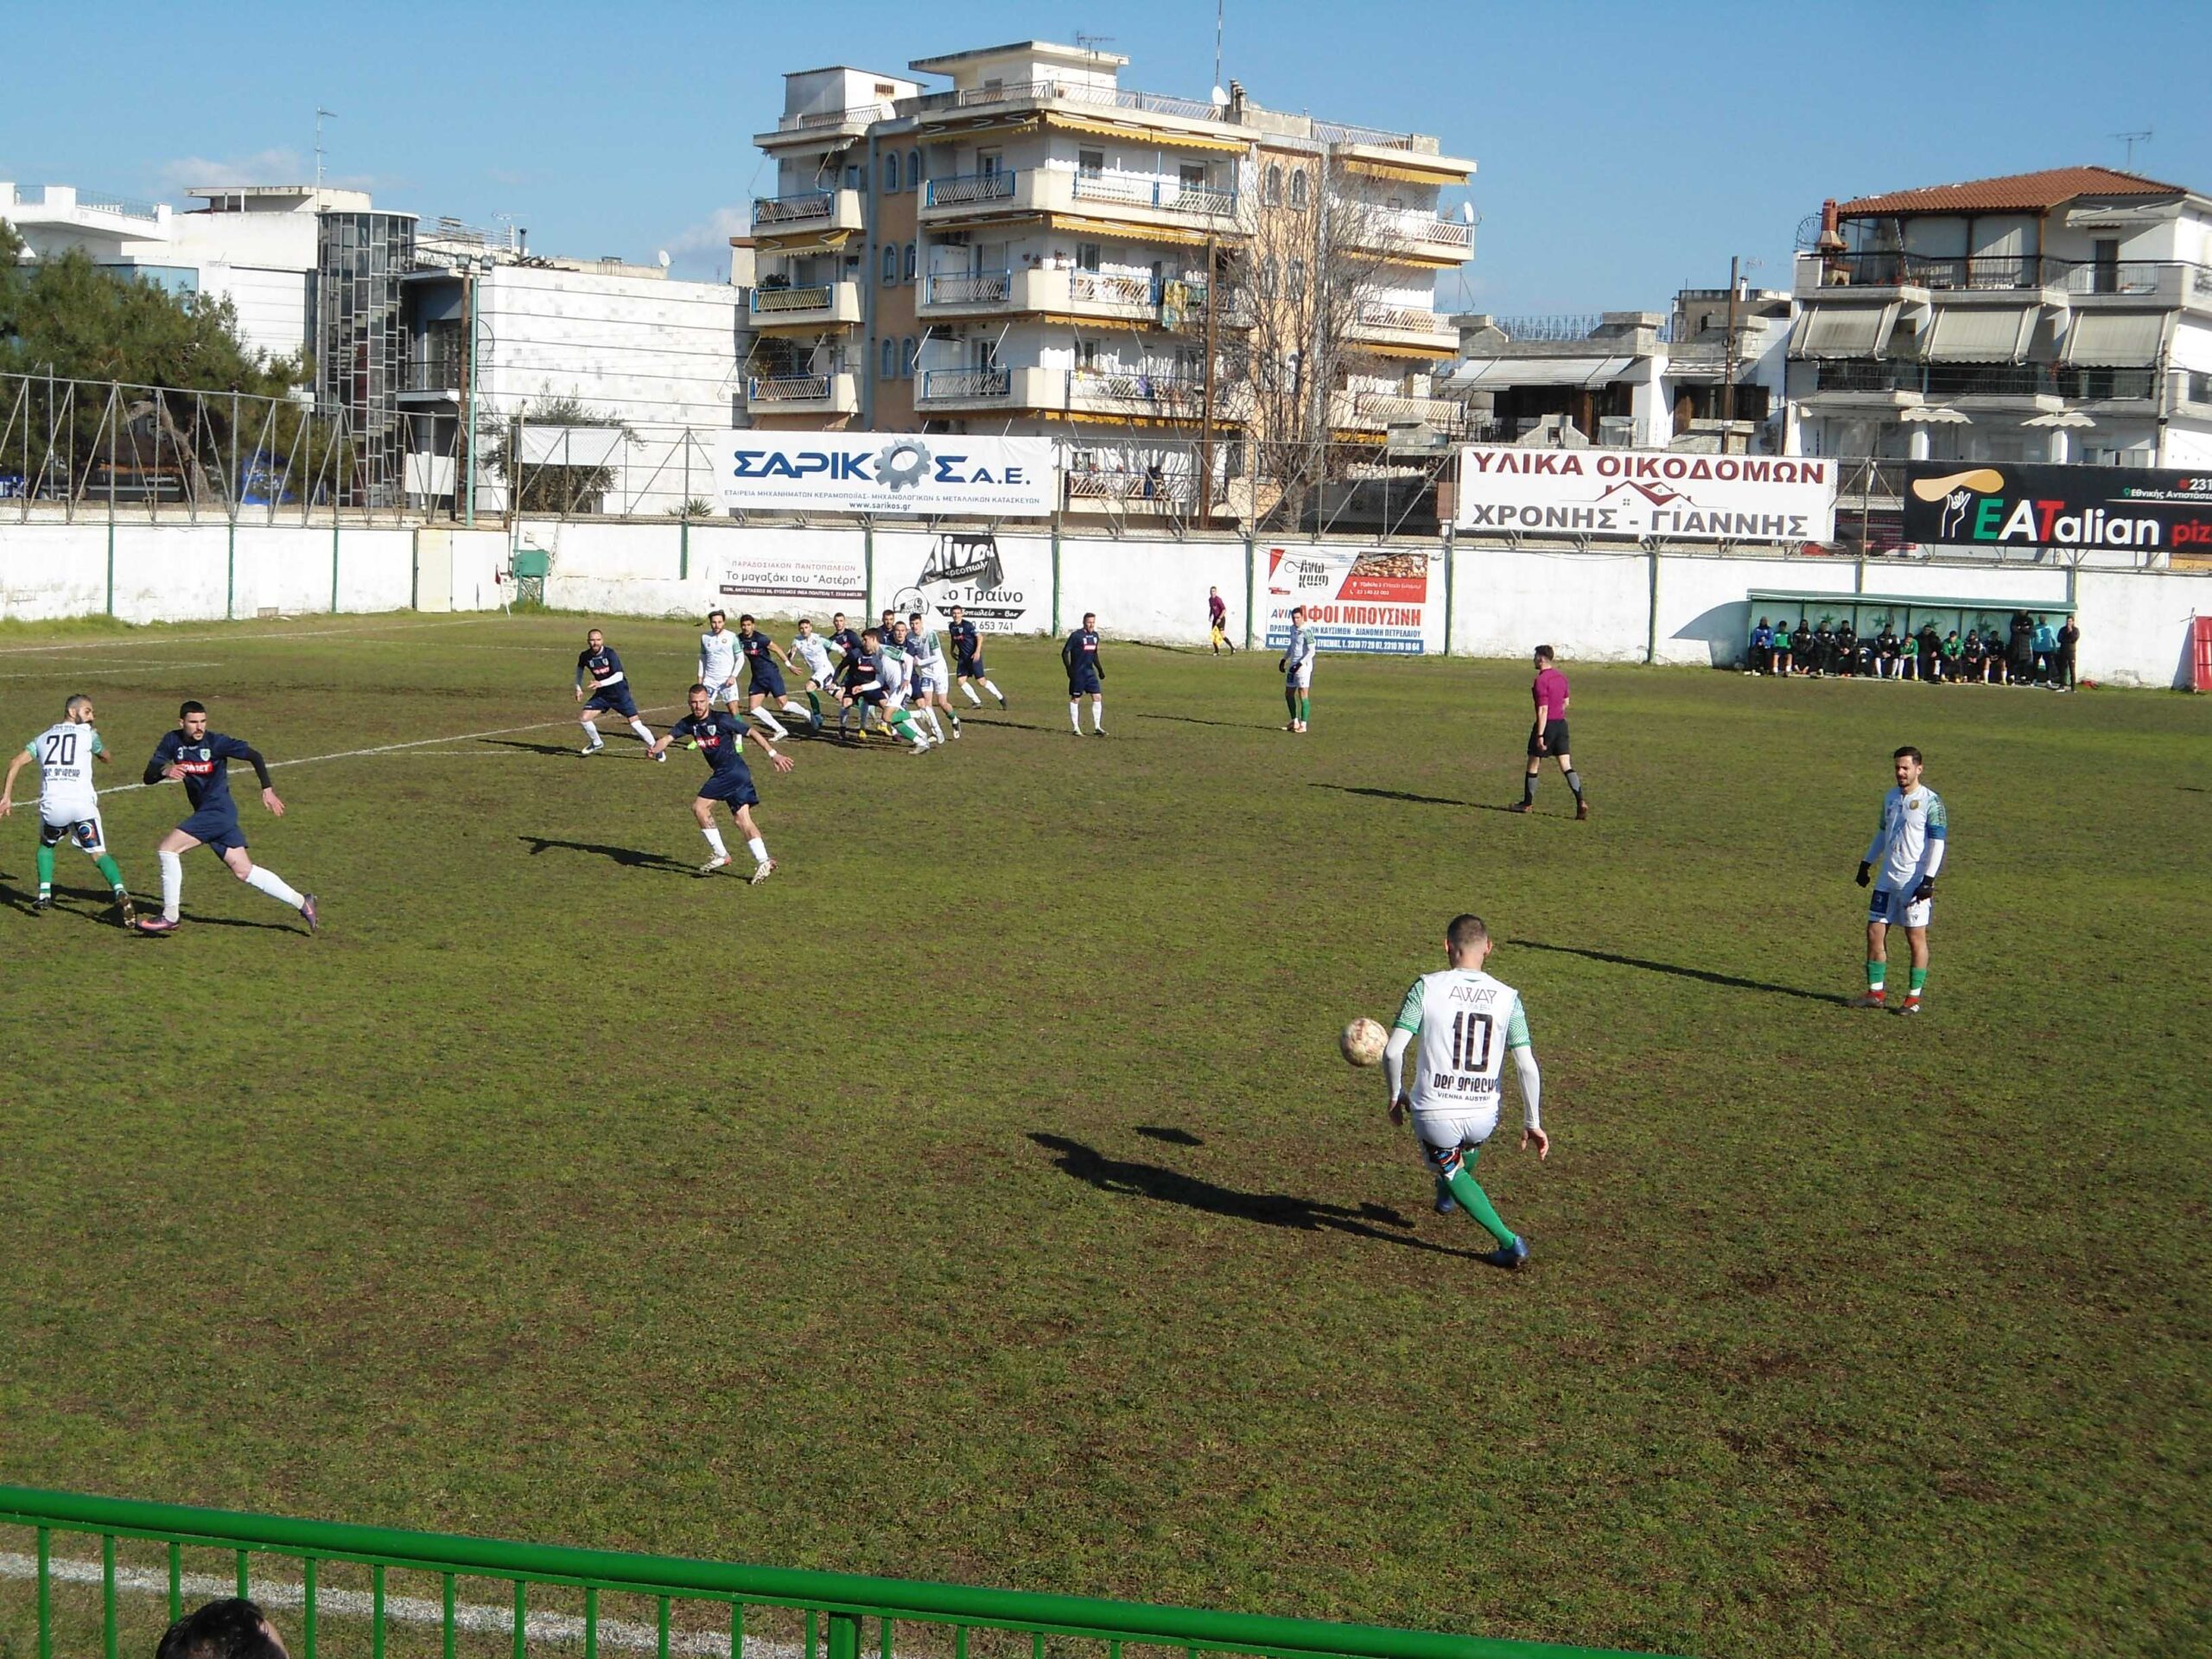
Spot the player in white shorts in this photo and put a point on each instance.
(813, 650)
(68, 804)
(932, 680)
(1900, 864)
(1465, 1021)
(718, 665)
(1297, 667)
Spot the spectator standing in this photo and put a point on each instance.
(2068, 638)
(2020, 650)
(2046, 643)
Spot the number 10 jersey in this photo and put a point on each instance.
(1465, 1021)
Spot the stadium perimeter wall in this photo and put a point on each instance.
(1493, 600)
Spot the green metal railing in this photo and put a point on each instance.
(831, 1609)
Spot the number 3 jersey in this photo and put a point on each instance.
(64, 754)
(1465, 1022)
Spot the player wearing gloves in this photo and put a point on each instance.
(1297, 670)
(1901, 863)
(1465, 1022)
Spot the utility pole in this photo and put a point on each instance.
(1728, 368)
(1205, 418)
(470, 277)
(320, 115)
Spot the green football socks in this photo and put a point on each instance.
(45, 869)
(1914, 980)
(1476, 1202)
(1304, 709)
(109, 868)
(1876, 973)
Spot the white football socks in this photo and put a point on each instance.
(1097, 713)
(791, 708)
(1075, 717)
(261, 879)
(713, 840)
(769, 721)
(591, 731)
(992, 690)
(968, 692)
(759, 849)
(936, 729)
(172, 882)
(644, 731)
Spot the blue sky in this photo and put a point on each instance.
(1624, 150)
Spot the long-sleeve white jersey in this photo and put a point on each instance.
(1465, 1022)
(1907, 844)
(717, 659)
(1300, 651)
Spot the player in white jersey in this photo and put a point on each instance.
(718, 664)
(68, 804)
(1900, 865)
(1297, 667)
(811, 649)
(932, 683)
(1465, 1022)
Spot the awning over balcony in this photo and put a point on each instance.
(1143, 232)
(2116, 339)
(1824, 329)
(1494, 372)
(1161, 137)
(802, 241)
(1976, 333)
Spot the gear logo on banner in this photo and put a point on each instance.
(904, 464)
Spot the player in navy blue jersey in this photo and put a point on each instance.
(719, 735)
(762, 656)
(859, 669)
(843, 634)
(968, 658)
(1080, 655)
(200, 760)
(610, 689)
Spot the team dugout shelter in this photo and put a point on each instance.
(1868, 613)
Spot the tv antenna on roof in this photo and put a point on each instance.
(320, 115)
(1090, 42)
(2132, 139)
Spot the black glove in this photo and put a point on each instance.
(1926, 890)
(1866, 872)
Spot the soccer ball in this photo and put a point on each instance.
(1362, 1042)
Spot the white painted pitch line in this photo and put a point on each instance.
(474, 1615)
(109, 641)
(418, 743)
(98, 674)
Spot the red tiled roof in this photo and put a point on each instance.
(2017, 193)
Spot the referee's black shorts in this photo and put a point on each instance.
(1554, 739)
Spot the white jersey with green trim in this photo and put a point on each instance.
(1911, 840)
(64, 752)
(811, 649)
(928, 654)
(1466, 1020)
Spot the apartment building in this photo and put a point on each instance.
(1037, 249)
(2056, 315)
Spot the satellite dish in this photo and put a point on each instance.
(1219, 96)
(663, 257)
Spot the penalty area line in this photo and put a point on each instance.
(394, 748)
(484, 1617)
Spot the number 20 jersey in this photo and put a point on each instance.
(64, 754)
(1465, 1022)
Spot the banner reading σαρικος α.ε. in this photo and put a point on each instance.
(880, 473)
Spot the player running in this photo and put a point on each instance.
(721, 738)
(881, 685)
(968, 659)
(1218, 621)
(1465, 1021)
(200, 760)
(610, 689)
(931, 683)
(1548, 736)
(718, 660)
(1297, 670)
(1901, 863)
(1079, 655)
(811, 649)
(762, 655)
(68, 806)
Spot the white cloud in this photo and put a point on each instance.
(701, 252)
(279, 165)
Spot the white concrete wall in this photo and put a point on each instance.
(1591, 606)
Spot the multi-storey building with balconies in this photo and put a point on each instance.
(2058, 315)
(1037, 249)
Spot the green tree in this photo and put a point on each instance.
(547, 488)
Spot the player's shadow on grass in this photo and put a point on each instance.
(1233, 725)
(629, 857)
(1705, 975)
(1402, 795)
(1094, 1167)
(535, 748)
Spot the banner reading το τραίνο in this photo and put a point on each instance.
(886, 473)
(1633, 494)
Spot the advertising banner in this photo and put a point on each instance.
(885, 473)
(1370, 601)
(1002, 586)
(1997, 504)
(766, 564)
(1632, 495)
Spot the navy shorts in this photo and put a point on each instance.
(768, 681)
(734, 788)
(1554, 736)
(216, 829)
(1081, 684)
(616, 697)
(969, 668)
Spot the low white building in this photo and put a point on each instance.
(492, 324)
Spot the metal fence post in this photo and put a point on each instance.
(844, 1636)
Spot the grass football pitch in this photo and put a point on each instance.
(983, 1197)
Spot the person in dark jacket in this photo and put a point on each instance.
(2020, 653)
(2068, 637)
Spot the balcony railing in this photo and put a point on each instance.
(1169, 194)
(126, 207)
(1102, 288)
(1405, 320)
(856, 114)
(2006, 270)
(1987, 380)
(968, 383)
(1060, 92)
(435, 374)
(794, 209)
(1336, 132)
(1165, 387)
(962, 189)
(1426, 227)
(1121, 485)
(971, 288)
(814, 297)
(788, 389)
